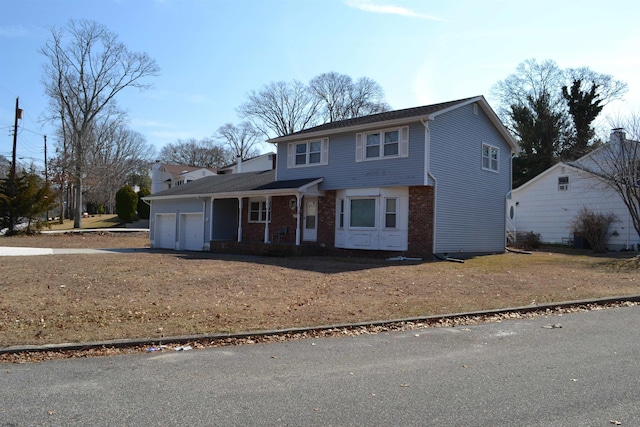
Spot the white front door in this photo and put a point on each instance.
(310, 219)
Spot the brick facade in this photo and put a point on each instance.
(421, 211)
(420, 233)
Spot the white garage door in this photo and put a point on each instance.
(191, 232)
(165, 231)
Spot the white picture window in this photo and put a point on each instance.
(490, 156)
(258, 211)
(563, 183)
(363, 213)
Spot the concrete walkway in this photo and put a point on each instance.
(20, 251)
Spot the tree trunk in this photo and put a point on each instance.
(77, 220)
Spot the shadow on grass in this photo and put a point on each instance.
(320, 264)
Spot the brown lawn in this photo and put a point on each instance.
(151, 294)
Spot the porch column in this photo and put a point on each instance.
(298, 204)
(211, 220)
(239, 219)
(266, 222)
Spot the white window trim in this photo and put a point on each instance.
(403, 144)
(385, 213)
(260, 211)
(565, 185)
(324, 153)
(491, 150)
(376, 200)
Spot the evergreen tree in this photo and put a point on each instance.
(33, 198)
(126, 203)
(584, 108)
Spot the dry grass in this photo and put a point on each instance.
(150, 294)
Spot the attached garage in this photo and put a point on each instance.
(191, 232)
(165, 231)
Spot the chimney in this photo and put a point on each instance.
(239, 162)
(618, 135)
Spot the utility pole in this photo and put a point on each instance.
(12, 177)
(46, 171)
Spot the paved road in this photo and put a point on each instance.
(514, 373)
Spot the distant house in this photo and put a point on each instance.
(259, 163)
(412, 182)
(165, 176)
(549, 203)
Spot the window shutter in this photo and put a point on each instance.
(359, 147)
(404, 141)
(290, 154)
(324, 154)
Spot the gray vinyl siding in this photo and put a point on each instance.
(178, 206)
(470, 202)
(343, 172)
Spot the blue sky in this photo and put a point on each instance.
(212, 53)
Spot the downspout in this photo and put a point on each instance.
(239, 219)
(211, 222)
(266, 222)
(204, 215)
(428, 174)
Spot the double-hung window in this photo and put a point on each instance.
(308, 153)
(382, 144)
(390, 212)
(258, 211)
(490, 155)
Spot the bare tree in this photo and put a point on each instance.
(340, 98)
(86, 67)
(203, 154)
(281, 108)
(241, 140)
(617, 165)
(118, 153)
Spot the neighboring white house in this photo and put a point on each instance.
(263, 162)
(165, 176)
(549, 203)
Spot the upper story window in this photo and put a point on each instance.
(308, 153)
(382, 144)
(258, 211)
(490, 156)
(563, 183)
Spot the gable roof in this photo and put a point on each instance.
(233, 185)
(176, 170)
(389, 118)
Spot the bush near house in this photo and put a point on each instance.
(126, 203)
(144, 209)
(594, 227)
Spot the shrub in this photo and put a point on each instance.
(531, 241)
(144, 209)
(126, 203)
(593, 227)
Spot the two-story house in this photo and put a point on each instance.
(414, 182)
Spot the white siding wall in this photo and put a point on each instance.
(540, 207)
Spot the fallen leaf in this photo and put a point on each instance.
(614, 422)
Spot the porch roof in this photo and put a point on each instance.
(236, 185)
